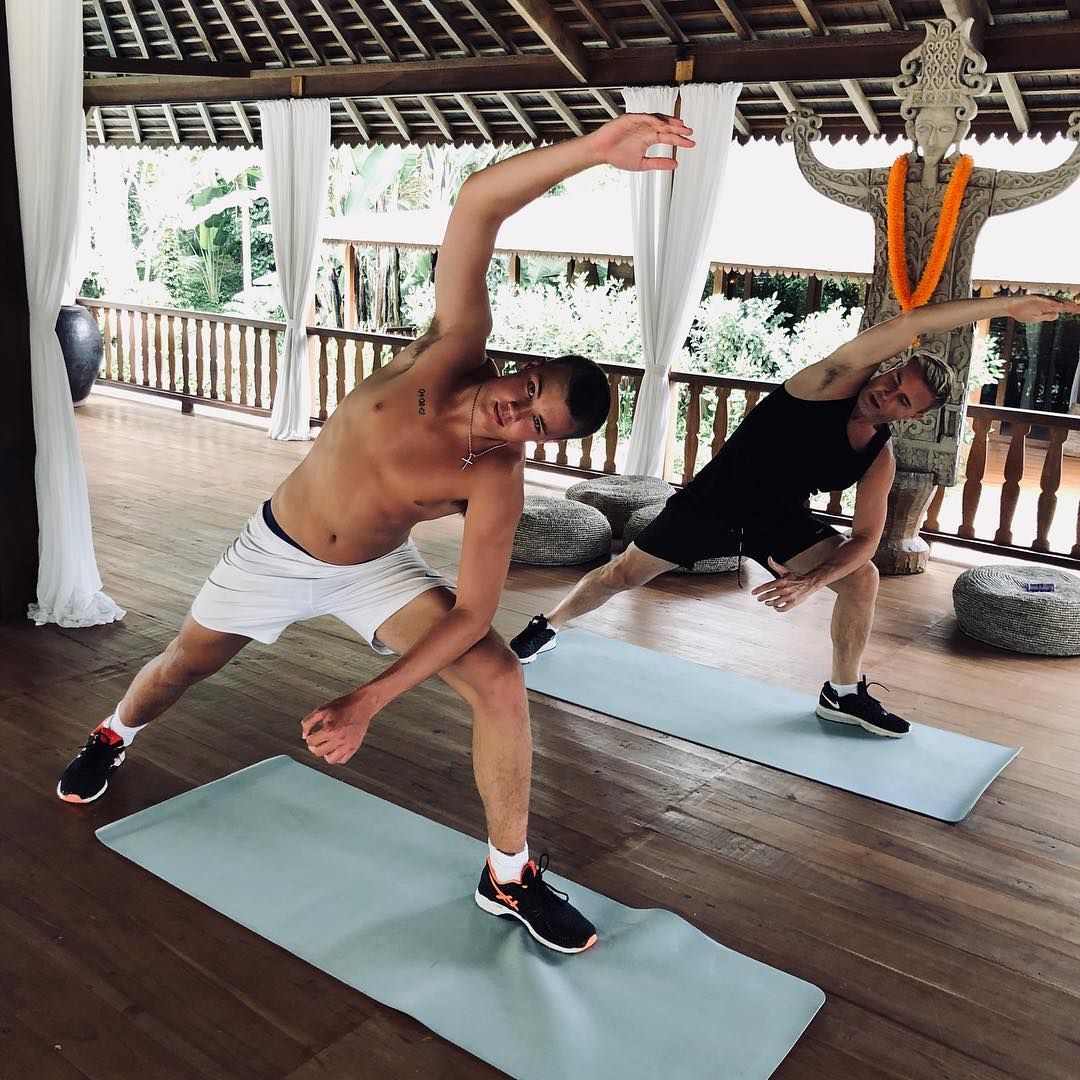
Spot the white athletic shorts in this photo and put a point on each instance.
(263, 584)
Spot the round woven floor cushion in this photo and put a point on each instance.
(556, 532)
(636, 525)
(992, 605)
(617, 497)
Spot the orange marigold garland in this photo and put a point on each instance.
(943, 238)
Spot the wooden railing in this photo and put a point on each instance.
(232, 362)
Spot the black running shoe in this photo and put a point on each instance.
(546, 912)
(537, 637)
(860, 708)
(87, 776)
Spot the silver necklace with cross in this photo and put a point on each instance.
(471, 457)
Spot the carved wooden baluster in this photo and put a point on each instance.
(1010, 490)
(934, 509)
(257, 363)
(107, 335)
(358, 364)
(339, 354)
(751, 400)
(323, 384)
(158, 365)
(720, 419)
(586, 453)
(200, 359)
(976, 468)
(560, 453)
(185, 354)
(1049, 482)
(273, 364)
(693, 428)
(170, 331)
(211, 332)
(133, 349)
(226, 333)
(120, 376)
(244, 365)
(835, 505)
(611, 433)
(145, 349)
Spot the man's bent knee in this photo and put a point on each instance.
(862, 581)
(489, 670)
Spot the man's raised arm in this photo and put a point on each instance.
(490, 196)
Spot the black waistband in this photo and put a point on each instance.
(277, 530)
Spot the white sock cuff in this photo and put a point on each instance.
(507, 867)
(843, 689)
(114, 723)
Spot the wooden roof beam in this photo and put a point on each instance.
(520, 115)
(136, 27)
(489, 27)
(560, 107)
(741, 124)
(133, 120)
(608, 102)
(862, 105)
(208, 122)
(170, 119)
(735, 19)
(475, 116)
(451, 28)
(376, 33)
(1015, 100)
(106, 30)
(337, 28)
(436, 114)
(414, 37)
(892, 15)
(358, 120)
(660, 13)
(163, 65)
(553, 33)
(227, 19)
(396, 118)
(167, 28)
(787, 98)
(810, 16)
(267, 32)
(245, 123)
(200, 29)
(99, 124)
(1009, 49)
(601, 25)
(292, 13)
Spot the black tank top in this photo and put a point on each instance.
(785, 451)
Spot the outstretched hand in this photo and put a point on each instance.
(624, 141)
(788, 590)
(1041, 309)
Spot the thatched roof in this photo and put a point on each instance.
(172, 71)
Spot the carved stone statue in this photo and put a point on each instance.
(937, 87)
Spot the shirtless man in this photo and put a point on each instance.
(434, 433)
(823, 430)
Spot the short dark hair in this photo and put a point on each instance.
(588, 396)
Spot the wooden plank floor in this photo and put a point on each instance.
(945, 950)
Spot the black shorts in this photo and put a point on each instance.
(685, 532)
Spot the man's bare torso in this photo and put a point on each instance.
(389, 457)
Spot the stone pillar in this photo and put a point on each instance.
(902, 550)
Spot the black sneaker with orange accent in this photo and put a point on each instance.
(87, 776)
(547, 913)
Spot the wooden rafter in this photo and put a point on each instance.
(520, 115)
(561, 108)
(106, 30)
(396, 118)
(245, 123)
(356, 118)
(165, 65)
(337, 28)
(892, 15)
(200, 29)
(453, 31)
(815, 24)
(136, 27)
(230, 25)
(553, 33)
(376, 33)
(1015, 100)
(166, 28)
(475, 116)
(403, 22)
(170, 119)
(292, 13)
(437, 115)
(862, 105)
(660, 13)
(741, 124)
(1009, 48)
(599, 24)
(99, 125)
(208, 122)
(267, 32)
(784, 93)
(133, 120)
(608, 102)
(487, 23)
(736, 20)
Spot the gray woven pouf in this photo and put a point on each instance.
(992, 605)
(617, 497)
(556, 532)
(636, 525)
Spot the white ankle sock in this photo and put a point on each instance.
(114, 723)
(842, 688)
(507, 867)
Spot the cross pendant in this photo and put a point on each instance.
(468, 461)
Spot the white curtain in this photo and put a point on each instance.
(672, 216)
(45, 43)
(296, 148)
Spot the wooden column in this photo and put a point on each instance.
(350, 285)
(18, 495)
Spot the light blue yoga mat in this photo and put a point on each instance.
(932, 772)
(381, 899)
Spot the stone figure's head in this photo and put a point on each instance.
(937, 87)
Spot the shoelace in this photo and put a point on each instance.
(97, 747)
(538, 878)
(864, 691)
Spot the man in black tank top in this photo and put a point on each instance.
(825, 429)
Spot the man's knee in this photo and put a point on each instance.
(862, 582)
(621, 574)
(489, 671)
(183, 665)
